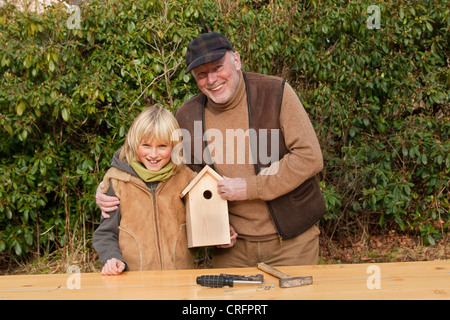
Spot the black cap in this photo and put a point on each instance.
(206, 48)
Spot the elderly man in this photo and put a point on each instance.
(274, 205)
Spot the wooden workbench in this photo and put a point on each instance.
(407, 280)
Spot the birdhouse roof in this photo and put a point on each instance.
(207, 170)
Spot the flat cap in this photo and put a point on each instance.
(206, 48)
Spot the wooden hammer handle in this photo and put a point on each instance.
(271, 270)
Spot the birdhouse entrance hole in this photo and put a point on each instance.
(207, 194)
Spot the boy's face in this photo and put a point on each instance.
(154, 154)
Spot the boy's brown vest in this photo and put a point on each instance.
(152, 230)
(292, 213)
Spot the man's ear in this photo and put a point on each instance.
(237, 60)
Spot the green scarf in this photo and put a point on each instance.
(152, 176)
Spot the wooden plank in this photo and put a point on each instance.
(408, 280)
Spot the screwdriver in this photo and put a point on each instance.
(215, 281)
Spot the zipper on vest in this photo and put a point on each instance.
(280, 238)
(155, 211)
(155, 207)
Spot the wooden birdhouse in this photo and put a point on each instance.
(207, 222)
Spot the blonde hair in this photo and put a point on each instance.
(154, 122)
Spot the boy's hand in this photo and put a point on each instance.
(104, 202)
(113, 267)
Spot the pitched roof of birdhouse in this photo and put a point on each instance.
(207, 170)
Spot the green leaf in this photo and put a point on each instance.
(20, 108)
(8, 128)
(28, 237)
(65, 114)
(51, 66)
(17, 248)
(352, 132)
(407, 190)
(27, 62)
(9, 213)
(121, 131)
(424, 159)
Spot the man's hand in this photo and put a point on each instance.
(113, 267)
(233, 237)
(104, 202)
(233, 189)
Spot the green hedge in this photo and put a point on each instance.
(378, 98)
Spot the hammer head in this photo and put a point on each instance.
(295, 282)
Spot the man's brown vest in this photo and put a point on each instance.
(292, 213)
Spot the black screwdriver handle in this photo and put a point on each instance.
(214, 281)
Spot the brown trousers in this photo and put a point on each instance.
(301, 250)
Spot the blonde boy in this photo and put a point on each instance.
(147, 230)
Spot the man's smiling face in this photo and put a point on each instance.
(219, 79)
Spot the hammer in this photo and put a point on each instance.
(285, 280)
